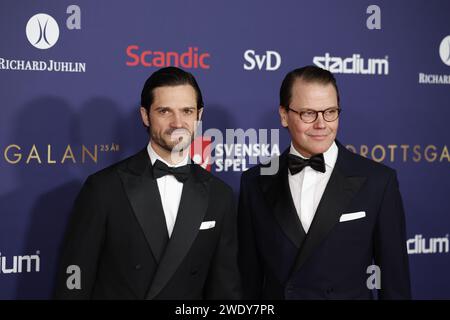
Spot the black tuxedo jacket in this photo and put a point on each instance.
(279, 261)
(118, 238)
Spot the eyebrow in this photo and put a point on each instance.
(326, 108)
(169, 108)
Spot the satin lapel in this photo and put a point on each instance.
(143, 194)
(277, 192)
(192, 209)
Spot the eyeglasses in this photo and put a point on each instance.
(309, 116)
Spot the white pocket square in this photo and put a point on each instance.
(207, 225)
(352, 216)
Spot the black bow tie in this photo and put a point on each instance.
(296, 164)
(160, 169)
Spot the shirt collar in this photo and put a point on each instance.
(154, 156)
(329, 156)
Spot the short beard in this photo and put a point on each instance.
(177, 147)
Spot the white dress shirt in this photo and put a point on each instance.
(308, 186)
(170, 190)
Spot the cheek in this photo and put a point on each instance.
(157, 126)
(334, 126)
(298, 127)
(192, 123)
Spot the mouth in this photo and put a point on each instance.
(318, 137)
(178, 134)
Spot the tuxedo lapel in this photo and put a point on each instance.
(192, 209)
(143, 194)
(276, 190)
(340, 190)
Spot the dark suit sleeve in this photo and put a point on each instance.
(224, 281)
(83, 242)
(390, 245)
(249, 264)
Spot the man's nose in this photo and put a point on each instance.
(320, 121)
(177, 121)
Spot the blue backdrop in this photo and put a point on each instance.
(71, 75)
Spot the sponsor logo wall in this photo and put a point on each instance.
(71, 76)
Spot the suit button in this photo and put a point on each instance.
(194, 272)
(137, 267)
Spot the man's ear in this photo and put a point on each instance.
(145, 116)
(283, 116)
(199, 114)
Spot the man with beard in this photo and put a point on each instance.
(155, 225)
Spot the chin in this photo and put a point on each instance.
(178, 147)
(320, 147)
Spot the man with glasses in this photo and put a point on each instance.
(329, 224)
